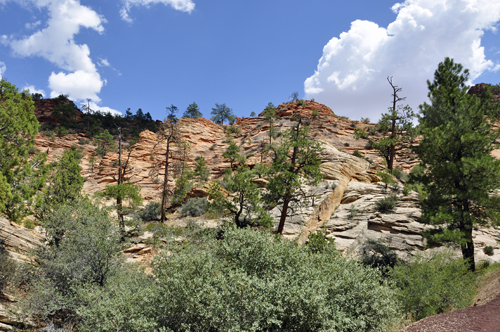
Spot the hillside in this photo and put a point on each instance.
(343, 204)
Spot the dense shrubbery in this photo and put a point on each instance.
(377, 255)
(433, 285)
(248, 281)
(151, 212)
(194, 207)
(7, 268)
(81, 252)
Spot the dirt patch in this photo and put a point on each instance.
(483, 316)
(489, 289)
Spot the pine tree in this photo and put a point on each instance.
(21, 176)
(167, 135)
(244, 203)
(200, 172)
(232, 153)
(192, 111)
(459, 172)
(295, 162)
(65, 184)
(221, 113)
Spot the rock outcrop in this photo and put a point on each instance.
(17, 240)
(348, 180)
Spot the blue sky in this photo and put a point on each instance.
(150, 54)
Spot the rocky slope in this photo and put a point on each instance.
(349, 182)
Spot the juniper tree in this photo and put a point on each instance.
(459, 173)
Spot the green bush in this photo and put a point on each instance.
(376, 254)
(81, 251)
(126, 303)
(400, 174)
(234, 130)
(7, 268)
(151, 212)
(386, 204)
(246, 280)
(434, 285)
(365, 120)
(61, 130)
(194, 207)
(488, 250)
(319, 243)
(253, 281)
(357, 154)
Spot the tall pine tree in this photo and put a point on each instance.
(21, 176)
(459, 172)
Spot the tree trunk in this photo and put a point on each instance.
(468, 250)
(284, 212)
(165, 186)
(121, 220)
(119, 203)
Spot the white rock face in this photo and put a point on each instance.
(344, 205)
(357, 220)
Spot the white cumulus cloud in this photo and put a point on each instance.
(79, 78)
(181, 5)
(32, 89)
(95, 107)
(351, 74)
(3, 68)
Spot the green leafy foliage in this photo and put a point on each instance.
(433, 285)
(459, 172)
(488, 250)
(7, 267)
(183, 185)
(65, 114)
(250, 281)
(200, 171)
(387, 178)
(104, 143)
(151, 212)
(232, 153)
(232, 129)
(318, 242)
(376, 254)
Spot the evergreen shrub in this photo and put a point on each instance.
(151, 212)
(194, 207)
(433, 285)
(386, 204)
